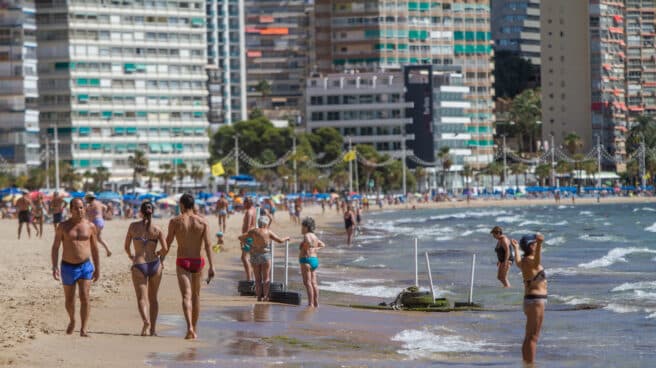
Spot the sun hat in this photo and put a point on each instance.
(90, 195)
(527, 240)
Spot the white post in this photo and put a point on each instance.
(553, 163)
(236, 155)
(294, 164)
(643, 179)
(598, 163)
(47, 163)
(471, 284)
(430, 275)
(272, 262)
(350, 168)
(286, 263)
(505, 176)
(357, 180)
(416, 265)
(56, 142)
(403, 168)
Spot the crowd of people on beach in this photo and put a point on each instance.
(147, 246)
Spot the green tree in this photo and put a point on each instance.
(542, 172)
(165, 176)
(87, 175)
(100, 176)
(517, 169)
(573, 143)
(512, 74)
(69, 177)
(36, 179)
(138, 162)
(264, 88)
(562, 167)
(445, 159)
(196, 173)
(467, 173)
(494, 169)
(525, 112)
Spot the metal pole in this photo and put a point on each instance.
(56, 142)
(272, 261)
(294, 164)
(403, 168)
(471, 284)
(236, 155)
(350, 168)
(47, 163)
(505, 176)
(643, 179)
(553, 163)
(416, 265)
(598, 163)
(286, 263)
(357, 180)
(430, 275)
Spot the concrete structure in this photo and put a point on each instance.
(387, 35)
(640, 57)
(516, 27)
(278, 47)
(117, 78)
(226, 59)
(19, 117)
(367, 107)
(583, 73)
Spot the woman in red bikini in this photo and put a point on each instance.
(147, 265)
(191, 232)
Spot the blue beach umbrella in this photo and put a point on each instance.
(108, 196)
(77, 194)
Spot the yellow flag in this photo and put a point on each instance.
(217, 169)
(647, 176)
(349, 156)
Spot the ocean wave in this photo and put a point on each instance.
(363, 287)
(628, 286)
(531, 222)
(614, 256)
(586, 213)
(622, 308)
(422, 344)
(652, 228)
(602, 238)
(561, 207)
(648, 209)
(652, 316)
(573, 299)
(468, 214)
(569, 271)
(644, 295)
(359, 259)
(509, 219)
(558, 240)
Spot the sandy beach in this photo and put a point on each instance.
(32, 303)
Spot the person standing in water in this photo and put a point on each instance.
(535, 291)
(191, 232)
(504, 255)
(222, 212)
(349, 224)
(307, 258)
(147, 265)
(261, 255)
(96, 214)
(77, 236)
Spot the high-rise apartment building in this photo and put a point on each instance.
(19, 117)
(117, 77)
(226, 59)
(278, 46)
(640, 57)
(583, 74)
(516, 27)
(383, 34)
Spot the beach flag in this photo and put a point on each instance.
(217, 169)
(349, 156)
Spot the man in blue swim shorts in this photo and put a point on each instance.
(250, 216)
(77, 237)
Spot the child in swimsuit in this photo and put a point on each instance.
(309, 261)
(218, 247)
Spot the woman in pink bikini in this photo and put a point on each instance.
(147, 265)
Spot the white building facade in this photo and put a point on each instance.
(118, 77)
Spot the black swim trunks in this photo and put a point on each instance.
(23, 217)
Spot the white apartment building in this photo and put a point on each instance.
(19, 117)
(121, 76)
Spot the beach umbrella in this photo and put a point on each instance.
(10, 190)
(77, 194)
(108, 196)
(199, 202)
(212, 199)
(11, 198)
(168, 200)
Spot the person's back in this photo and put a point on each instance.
(190, 230)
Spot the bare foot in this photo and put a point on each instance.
(152, 332)
(191, 335)
(84, 334)
(70, 328)
(145, 328)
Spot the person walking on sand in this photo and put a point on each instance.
(308, 260)
(504, 255)
(77, 237)
(535, 291)
(23, 206)
(250, 215)
(57, 206)
(261, 255)
(349, 224)
(191, 232)
(222, 212)
(37, 215)
(96, 214)
(147, 265)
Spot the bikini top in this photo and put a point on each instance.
(540, 276)
(145, 240)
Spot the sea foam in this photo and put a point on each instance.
(614, 256)
(418, 344)
(628, 286)
(363, 287)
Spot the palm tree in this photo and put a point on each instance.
(150, 175)
(139, 164)
(573, 143)
(87, 175)
(445, 158)
(590, 167)
(421, 175)
(525, 111)
(494, 169)
(181, 172)
(563, 167)
(165, 175)
(542, 172)
(264, 88)
(100, 176)
(196, 173)
(69, 176)
(517, 169)
(466, 174)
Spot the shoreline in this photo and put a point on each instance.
(34, 318)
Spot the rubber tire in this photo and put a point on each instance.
(418, 299)
(286, 297)
(246, 288)
(276, 286)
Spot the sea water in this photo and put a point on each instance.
(598, 257)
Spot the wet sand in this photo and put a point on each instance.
(33, 316)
